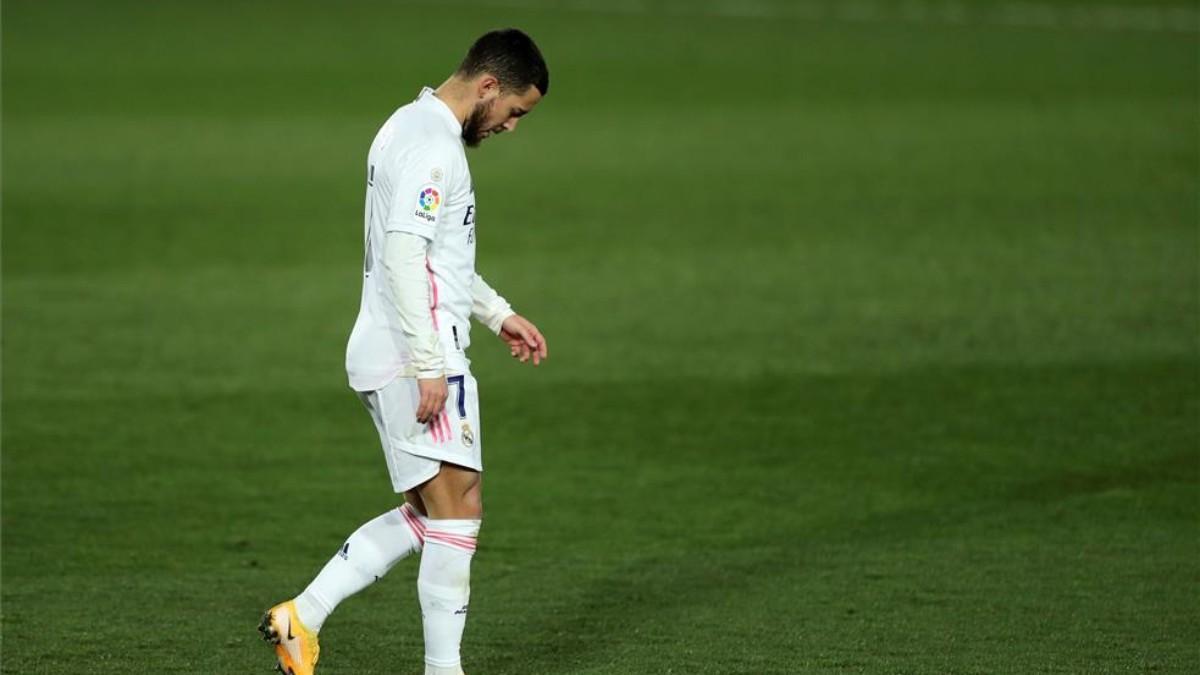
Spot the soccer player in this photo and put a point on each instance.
(407, 354)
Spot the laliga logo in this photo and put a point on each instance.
(428, 201)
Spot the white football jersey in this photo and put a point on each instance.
(417, 182)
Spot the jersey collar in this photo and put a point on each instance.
(443, 109)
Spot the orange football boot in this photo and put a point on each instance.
(295, 645)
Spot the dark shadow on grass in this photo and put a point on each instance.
(1180, 467)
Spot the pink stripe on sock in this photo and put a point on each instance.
(413, 522)
(414, 516)
(457, 541)
(466, 539)
(436, 540)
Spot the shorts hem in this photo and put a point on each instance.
(414, 482)
(364, 384)
(439, 455)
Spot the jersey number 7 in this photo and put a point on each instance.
(460, 380)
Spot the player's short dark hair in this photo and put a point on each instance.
(511, 57)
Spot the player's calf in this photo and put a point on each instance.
(455, 507)
(365, 557)
(360, 561)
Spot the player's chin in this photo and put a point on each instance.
(472, 140)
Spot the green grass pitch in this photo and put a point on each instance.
(874, 331)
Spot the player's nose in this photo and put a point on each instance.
(511, 124)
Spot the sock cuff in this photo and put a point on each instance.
(433, 537)
(465, 528)
(459, 534)
(415, 522)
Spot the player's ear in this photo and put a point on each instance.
(487, 86)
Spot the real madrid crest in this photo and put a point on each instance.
(468, 436)
(436, 175)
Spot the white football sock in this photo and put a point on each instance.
(365, 557)
(444, 588)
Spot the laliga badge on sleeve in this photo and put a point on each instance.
(428, 201)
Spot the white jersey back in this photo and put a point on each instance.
(417, 182)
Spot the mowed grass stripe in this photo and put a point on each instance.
(864, 513)
(1153, 17)
(890, 367)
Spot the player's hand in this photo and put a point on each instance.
(433, 398)
(524, 340)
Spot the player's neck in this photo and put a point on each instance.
(458, 96)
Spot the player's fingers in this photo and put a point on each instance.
(528, 333)
(535, 339)
(541, 340)
(431, 404)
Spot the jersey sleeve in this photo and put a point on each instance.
(487, 306)
(420, 192)
(404, 264)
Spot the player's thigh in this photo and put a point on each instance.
(458, 443)
(393, 410)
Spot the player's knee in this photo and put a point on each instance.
(472, 502)
(413, 498)
(466, 501)
(454, 493)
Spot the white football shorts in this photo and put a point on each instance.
(415, 451)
